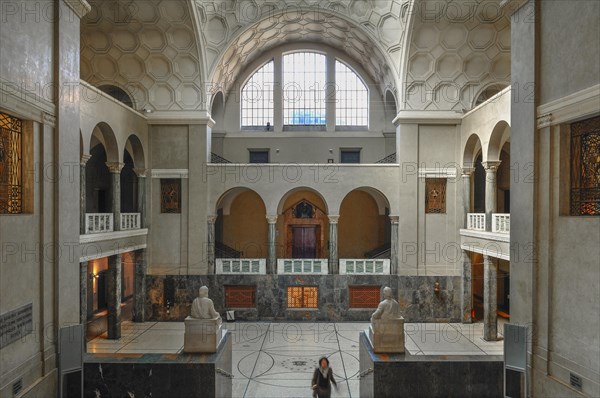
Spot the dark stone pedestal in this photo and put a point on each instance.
(160, 375)
(405, 375)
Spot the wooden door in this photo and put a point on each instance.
(304, 241)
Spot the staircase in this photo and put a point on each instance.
(380, 252)
(224, 251)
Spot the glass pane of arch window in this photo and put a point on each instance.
(585, 167)
(352, 97)
(304, 81)
(257, 98)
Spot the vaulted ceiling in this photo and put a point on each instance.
(168, 54)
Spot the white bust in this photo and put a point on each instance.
(203, 307)
(388, 308)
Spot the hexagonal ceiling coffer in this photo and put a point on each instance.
(449, 66)
(186, 66)
(475, 66)
(453, 36)
(158, 66)
(426, 37)
(153, 39)
(181, 38)
(389, 29)
(216, 30)
(131, 66)
(125, 40)
(482, 37)
(420, 66)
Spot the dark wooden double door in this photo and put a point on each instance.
(305, 239)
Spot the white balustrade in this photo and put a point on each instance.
(302, 266)
(98, 222)
(476, 221)
(501, 223)
(241, 266)
(364, 266)
(130, 221)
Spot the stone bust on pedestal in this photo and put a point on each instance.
(203, 326)
(386, 332)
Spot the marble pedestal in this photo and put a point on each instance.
(387, 336)
(201, 335)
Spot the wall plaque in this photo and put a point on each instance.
(16, 324)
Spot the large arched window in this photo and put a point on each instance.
(304, 81)
(303, 99)
(257, 98)
(352, 97)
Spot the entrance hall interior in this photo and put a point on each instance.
(296, 157)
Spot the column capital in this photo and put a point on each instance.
(115, 167)
(84, 159)
(333, 219)
(491, 165)
(271, 219)
(394, 219)
(466, 172)
(140, 173)
(212, 218)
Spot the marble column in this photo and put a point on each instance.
(490, 318)
(115, 174)
(466, 302)
(467, 172)
(113, 296)
(141, 195)
(139, 295)
(272, 252)
(491, 168)
(394, 243)
(83, 291)
(82, 192)
(210, 243)
(333, 245)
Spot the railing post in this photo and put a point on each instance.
(272, 254)
(491, 200)
(333, 244)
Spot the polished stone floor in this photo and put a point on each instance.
(273, 359)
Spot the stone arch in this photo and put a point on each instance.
(134, 146)
(105, 135)
(472, 148)
(280, 206)
(500, 135)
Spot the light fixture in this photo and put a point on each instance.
(147, 110)
(437, 288)
(330, 150)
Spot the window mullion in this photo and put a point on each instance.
(278, 95)
(330, 92)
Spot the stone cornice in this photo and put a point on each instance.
(79, 7)
(180, 117)
(428, 117)
(573, 107)
(169, 173)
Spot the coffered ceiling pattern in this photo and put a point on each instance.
(148, 48)
(458, 49)
(236, 32)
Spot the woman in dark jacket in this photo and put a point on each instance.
(322, 379)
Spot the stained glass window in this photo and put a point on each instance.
(303, 297)
(170, 195)
(240, 296)
(352, 97)
(585, 167)
(364, 296)
(257, 98)
(304, 80)
(435, 195)
(11, 189)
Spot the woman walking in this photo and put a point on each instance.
(322, 379)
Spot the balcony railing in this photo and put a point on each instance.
(302, 265)
(130, 221)
(501, 223)
(364, 266)
(241, 266)
(98, 222)
(476, 221)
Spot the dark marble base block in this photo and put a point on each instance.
(160, 375)
(415, 294)
(427, 376)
